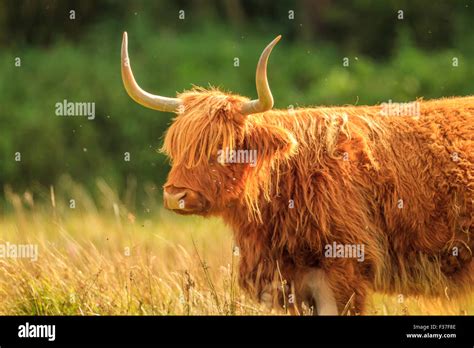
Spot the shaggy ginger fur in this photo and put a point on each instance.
(401, 186)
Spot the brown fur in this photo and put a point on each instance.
(345, 168)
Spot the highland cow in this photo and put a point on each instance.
(327, 180)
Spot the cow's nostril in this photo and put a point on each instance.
(175, 200)
(181, 195)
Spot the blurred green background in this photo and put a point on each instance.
(79, 60)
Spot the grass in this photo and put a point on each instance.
(102, 259)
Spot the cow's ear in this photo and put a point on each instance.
(270, 142)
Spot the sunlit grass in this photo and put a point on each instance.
(99, 260)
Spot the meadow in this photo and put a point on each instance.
(105, 243)
(101, 258)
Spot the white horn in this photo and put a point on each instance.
(265, 98)
(142, 97)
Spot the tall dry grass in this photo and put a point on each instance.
(100, 258)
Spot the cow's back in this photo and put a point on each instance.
(427, 189)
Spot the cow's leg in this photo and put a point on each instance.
(311, 287)
(350, 288)
(316, 285)
(267, 297)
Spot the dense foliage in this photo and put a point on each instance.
(78, 60)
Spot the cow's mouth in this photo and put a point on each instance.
(198, 210)
(189, 212)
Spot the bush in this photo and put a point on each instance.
(88, 69)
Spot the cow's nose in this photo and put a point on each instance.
(174, 200)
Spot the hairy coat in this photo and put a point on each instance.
(402, 186)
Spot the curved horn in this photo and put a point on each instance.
(142, 97)
(265, 98)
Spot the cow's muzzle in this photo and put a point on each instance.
(184, 201)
